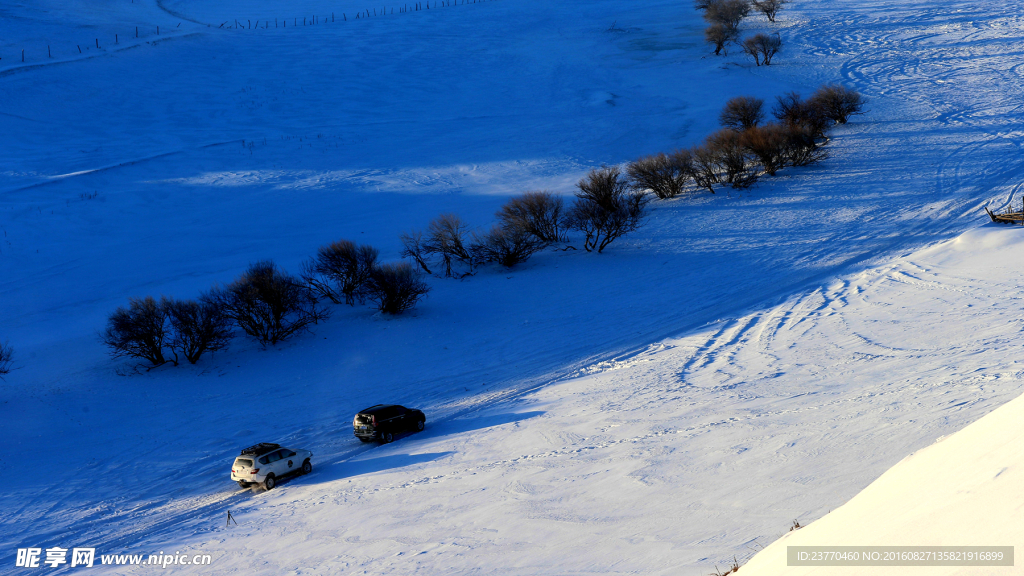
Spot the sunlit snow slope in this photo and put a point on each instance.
(962, 491)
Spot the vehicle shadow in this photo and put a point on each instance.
(463, 425)
(352, 468)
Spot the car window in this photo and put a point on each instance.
(244, 462)
(288, 454)
(264, 460)
(273, 457)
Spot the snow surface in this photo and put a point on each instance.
(962, 491)
(743, 360)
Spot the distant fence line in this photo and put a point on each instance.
(147, 33)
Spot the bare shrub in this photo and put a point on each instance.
(268, 304)
(794, 111)
(769, 144)
(705, 167)
(447, 239)
(802, 145)
(196, 327)
(541, 214)
(732, 156)
(838, 103)
(603, 186)
(789, 108)
(339, 271)
(727, 12)
(762, 48)
(507, 246)
(742, 112)
(6, 359)
(719, 35)
(606, 208)
(138, 331)
(769, 8)
(395, 287)
(664, 174)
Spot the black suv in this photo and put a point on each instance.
(383, 421)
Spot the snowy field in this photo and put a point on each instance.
(744, 360)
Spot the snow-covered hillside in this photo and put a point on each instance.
(743, 360)
(962, 491)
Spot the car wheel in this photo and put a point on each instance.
(307, 467)
(420, 425)
(387, 437)
(270, 482)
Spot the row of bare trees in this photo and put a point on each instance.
(724, 17)
(270, 305)
(606, 207)
(345, 272)
(745, 147)
(266, 303)
(162, 331)
(610, 203)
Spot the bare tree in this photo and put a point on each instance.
(413, 247)
(769, 144)
(762, 47)
(6, 359)
(750, 48)
(742, 112)
(606, 208)
(196, 327)
(733, 157)
(447, 238)
(506, 245)
(541, 214)
(138, 331)
(702, 4)
(769, 8)
(719, 35)
(396, 287)
(339, 270)
(838, 102)
(727, 12)
(665, 175)
(268, 304)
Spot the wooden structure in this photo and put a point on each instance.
(1008, 217)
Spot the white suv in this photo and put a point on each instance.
(264, 463)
